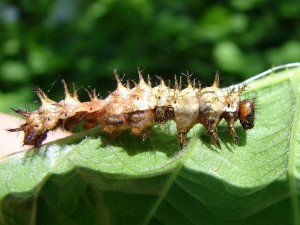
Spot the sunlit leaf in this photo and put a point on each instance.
(100, 180)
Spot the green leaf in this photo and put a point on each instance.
(100, 180)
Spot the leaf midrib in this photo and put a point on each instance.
(294, 80)
(169, 182)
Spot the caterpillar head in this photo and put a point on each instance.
(34, 129)
(247, 113)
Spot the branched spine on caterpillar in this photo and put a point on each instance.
(139, 108)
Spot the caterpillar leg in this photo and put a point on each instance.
(230, 119)
(145, 133)
(215, 138)
(233, 133)
(211, 127)
(182, 138)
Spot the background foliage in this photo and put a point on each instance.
(82, 41)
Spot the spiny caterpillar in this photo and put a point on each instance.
(139, 108)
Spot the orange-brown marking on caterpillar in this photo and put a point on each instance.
(247, 113)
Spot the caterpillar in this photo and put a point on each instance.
(139, 108)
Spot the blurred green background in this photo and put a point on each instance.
(81, 41)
